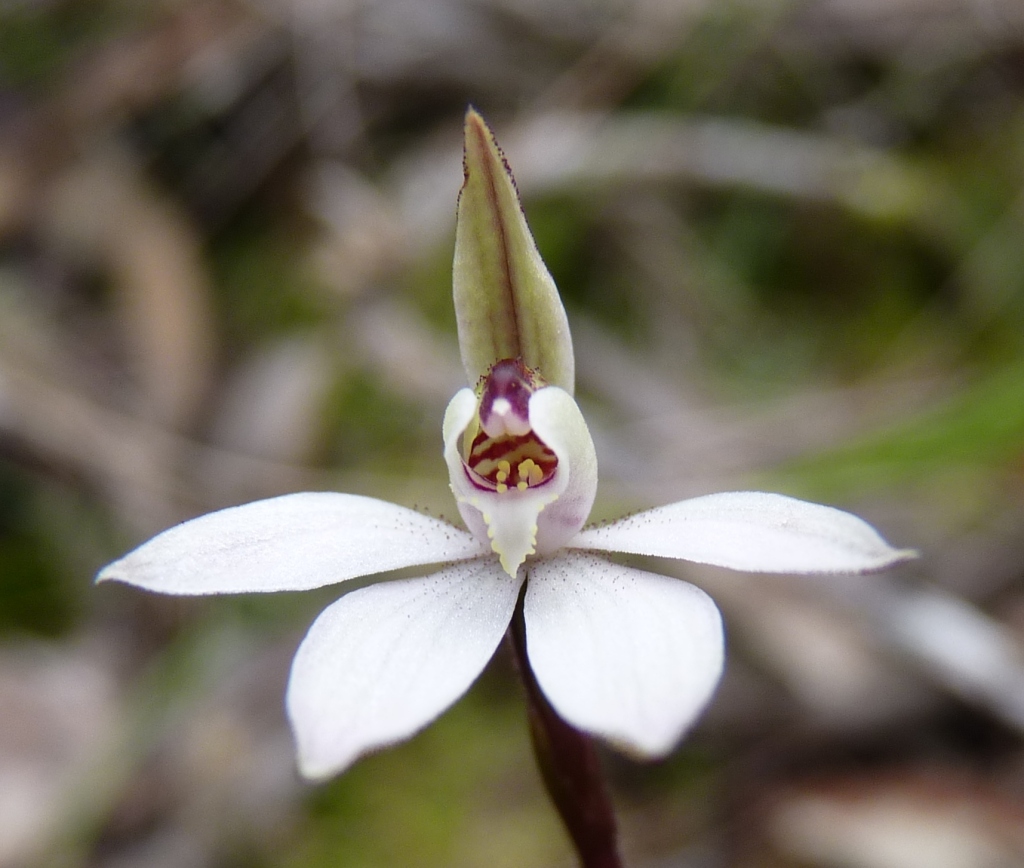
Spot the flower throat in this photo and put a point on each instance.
(499, 448)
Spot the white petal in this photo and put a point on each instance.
(540, 519)
(752, 531)
(385, 660)
(290, 543)
(557, 420)
(628, 655)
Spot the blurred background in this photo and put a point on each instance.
(790, 238)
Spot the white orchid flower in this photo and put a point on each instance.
(627, 655)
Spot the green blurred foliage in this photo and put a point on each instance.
(38, 39)
(40, 595)
(976, 435)
(373, 428)
(428, 286)
(581, 254)
(828, 294)
(263, 285)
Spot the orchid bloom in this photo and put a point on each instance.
(627, 655)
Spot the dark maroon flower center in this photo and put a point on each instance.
(500, 450)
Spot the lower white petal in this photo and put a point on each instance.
(627, 655)
(290, 543)
(751, 531)
(385, 660)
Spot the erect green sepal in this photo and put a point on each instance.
(506, 303)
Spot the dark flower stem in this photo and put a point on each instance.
(569, 765)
